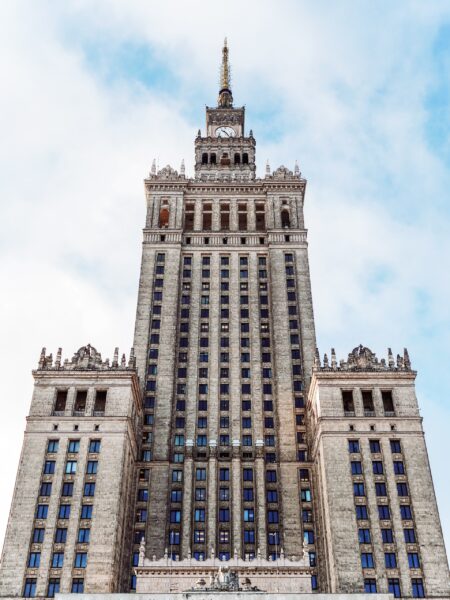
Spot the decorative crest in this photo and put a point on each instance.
(362, 358)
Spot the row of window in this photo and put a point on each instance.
(417, 587)
(79, 407)
(368, 403)
(53, 587)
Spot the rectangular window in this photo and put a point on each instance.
(57, 560)
(248, 494)
(89, 489)
(199, 515)
(49, 467)
(249, 515)
(64, 511)
(387, 536)
(224, 515)
(375, 446)
(353, 446)
(394, 587)
(71, 467)
(61, 535)
(80, 402)
(356, 467)
(46, 489)
(86, 511)
(247, 474)
(402, 489)
(53, 587)
(80, 560)
(364, 536)
(417, 588)
(380, 489)
(200, 474)
(395, 447)
(42, 511)
(390, 560)
(38, 535)
(52, 446)
(358, 489)
(84, 535)
(77, 586)
(410, 536)
(224, 474)
(413, 560)
(370, 586)
(34, 560)
(361, 512)
(249, 536)
(377, 467)
(29, 590)
(399, 467)
(405, 512)
(74, 446)
(367, 560)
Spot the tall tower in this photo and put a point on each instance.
(224, 344)
(224, 439)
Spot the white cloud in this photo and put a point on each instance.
(347, 86)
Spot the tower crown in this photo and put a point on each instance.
(225, 151)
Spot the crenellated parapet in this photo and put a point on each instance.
(86, 359)
(363, 359)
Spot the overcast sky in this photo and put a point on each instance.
(357, 92)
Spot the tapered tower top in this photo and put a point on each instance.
(225, 96)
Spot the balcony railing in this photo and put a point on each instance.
(389, 413)
(349, 413)
(369, 413)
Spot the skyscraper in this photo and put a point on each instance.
(224, 438)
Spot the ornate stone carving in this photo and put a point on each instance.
(362, 358)
(85, 358)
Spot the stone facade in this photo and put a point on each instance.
(224, 439)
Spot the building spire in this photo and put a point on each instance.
(225, 96)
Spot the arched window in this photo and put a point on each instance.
(245, 158)
(164, 217)
(204, 158)
(212, 159)
(285, 219)
(237, 159)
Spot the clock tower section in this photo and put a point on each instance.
(225, 153)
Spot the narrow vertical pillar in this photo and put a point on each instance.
(187, 500)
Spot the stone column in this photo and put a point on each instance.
(198, 215)
(251, 216)
(233, 215)
(187, 500)
(260, 499)
(236, 497)
(215, 215)
(212, 497)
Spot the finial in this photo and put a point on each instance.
(115, 362)
(225, 96)
(325, 361)
(333, 359)
(390, 359)
(123, 362)
(317, 359)
(182, 168)
(132, 359)
(142, 552)
(406, 359)
(296, 169)
(42, 358)
(153, 171)
(267, 168)
(58, 358)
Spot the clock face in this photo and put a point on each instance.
(225, 132)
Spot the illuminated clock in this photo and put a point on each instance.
(225, 132)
